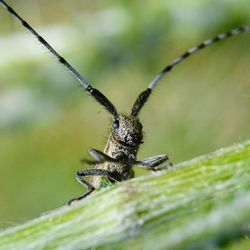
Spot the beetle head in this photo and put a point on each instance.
(127, 130)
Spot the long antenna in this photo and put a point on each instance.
(195, 49)
(142, 98)
(94, 92)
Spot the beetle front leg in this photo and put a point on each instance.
(153, 163)
(80, 177)
(100, 157)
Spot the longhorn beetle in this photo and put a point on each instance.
(119, 155)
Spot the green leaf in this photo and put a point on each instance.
(199, 204)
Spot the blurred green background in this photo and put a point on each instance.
(48, 122)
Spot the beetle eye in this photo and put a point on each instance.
(115, 124)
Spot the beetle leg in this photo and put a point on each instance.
(152, 163)
(80, 177)
(100, 156)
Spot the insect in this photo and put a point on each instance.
(115, 163)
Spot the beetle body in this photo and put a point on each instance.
(119, 155)
(123, 144)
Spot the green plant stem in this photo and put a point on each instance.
(199, 204)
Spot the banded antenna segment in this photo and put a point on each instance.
(195, 49)
(94, 92)
(143, 97)
(73, 71)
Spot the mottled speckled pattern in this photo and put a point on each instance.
(123, 143)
